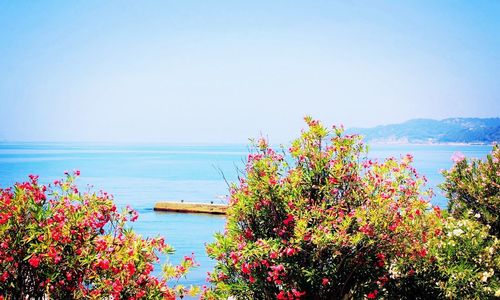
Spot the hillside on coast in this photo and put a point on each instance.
(452, 130)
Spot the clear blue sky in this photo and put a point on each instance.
(224, 71)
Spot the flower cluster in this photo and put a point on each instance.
(323, 222)
(64, 244)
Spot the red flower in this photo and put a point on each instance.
(4, 217)
(103, 264)
(366, 229)
(4, 276)
(297, 293)
(423, 252)
(117, 286)
(437, 210)
(34, 261)
(381, 259)
(130, 268)
(248, 233)
(372, 295)
(393, 226)
(141, 294)
(325, 281)
(332, 180)
(245, 268)
(289, 219)
(290, 251)
(134, 215)
(265, 263)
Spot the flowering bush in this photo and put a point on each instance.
(323, 223)
(467, 261)
(71, 245)
(473, 188)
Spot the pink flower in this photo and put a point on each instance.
(290, 251)
(457, 157)
(34, 178)
(135, 215)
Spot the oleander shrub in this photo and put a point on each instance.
(322, 221)
(467, 263)
(473, 189)
(60, 243)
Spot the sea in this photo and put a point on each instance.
(140, 175)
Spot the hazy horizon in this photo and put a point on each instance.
(205, 73)
(195, 143)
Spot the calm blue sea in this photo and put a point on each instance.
(140, 175)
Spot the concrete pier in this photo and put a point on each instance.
(191, 207)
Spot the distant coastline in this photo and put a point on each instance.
(452, 131)
(374, 142)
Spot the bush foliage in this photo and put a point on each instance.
(473, 188)
(323, 223)
(467, 263)
(71, 245)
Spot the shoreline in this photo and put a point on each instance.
(428, 143)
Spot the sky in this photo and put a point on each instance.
(225, 71)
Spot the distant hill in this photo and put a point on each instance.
(453, 130)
